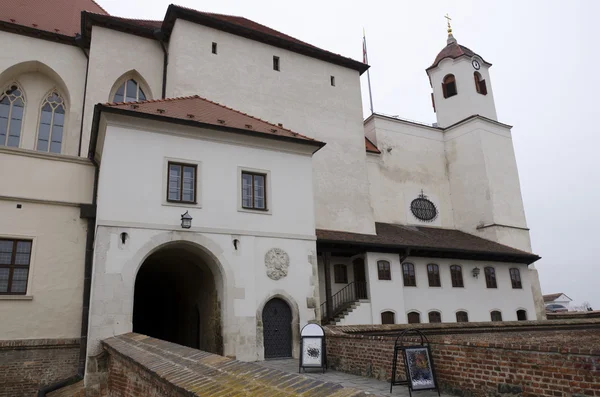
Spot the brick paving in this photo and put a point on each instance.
(371, 386)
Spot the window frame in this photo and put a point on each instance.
(339, 270)
(388, 313)
(65, 108)
(9, 116)
(182, 165)
(12, 265)
(415, 313)
(436, 312)
(332, 80)
(495, 312)
(460, 313)
(457, 269)
(433, 270)
(448, 79)
(488, 277)
(480, 85)
(515, 278)
(412, 277)
(265, 190)
(384, 274)
(276, 63)
(214, 48)
(138, 84)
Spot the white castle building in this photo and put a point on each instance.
(115, 132)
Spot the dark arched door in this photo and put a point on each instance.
(277, 329)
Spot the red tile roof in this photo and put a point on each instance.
(201, 111)
(370, 146)
(55, 16)
(454, 50)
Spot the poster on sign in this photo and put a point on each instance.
(420, 374)
(312, 347)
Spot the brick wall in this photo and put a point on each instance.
(27, 365)
(142, 366)
(478, 360)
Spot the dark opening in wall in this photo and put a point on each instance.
(333, 81)
(214, 48)
(449, 86)
(276, 63)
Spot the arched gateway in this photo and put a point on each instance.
(176, 298)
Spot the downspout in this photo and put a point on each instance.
(80, 43)
(160, 36)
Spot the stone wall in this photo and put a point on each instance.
(505, 359)
(28, 365)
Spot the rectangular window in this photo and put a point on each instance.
(515, 278)
(388, 318)
(14, 266)
(276, 63)
(333, 81)
(456, 275)
(340, 274)
(383, 270)
(181, 184)
(433, 273)
(490, 277)
(214, 48)
(254, 188)
(408, 271)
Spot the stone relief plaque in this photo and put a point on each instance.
(277, 262)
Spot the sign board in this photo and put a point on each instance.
(418, 368)
(312, 347)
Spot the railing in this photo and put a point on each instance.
(343, 299)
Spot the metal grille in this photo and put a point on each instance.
(277, 329)
(423, 209)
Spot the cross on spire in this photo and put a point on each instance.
(449, 27)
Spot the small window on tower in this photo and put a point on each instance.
(333, 81)
(276, 63)
(480, 83)
(449, 86)
(214, 48)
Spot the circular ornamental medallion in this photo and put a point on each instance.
(423, 208)
(277, 262)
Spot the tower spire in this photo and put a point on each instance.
(451, 38)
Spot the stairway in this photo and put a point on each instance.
(344, 302)
(346, 311)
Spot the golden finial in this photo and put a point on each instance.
(449, 27)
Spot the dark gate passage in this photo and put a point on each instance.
(277, 329)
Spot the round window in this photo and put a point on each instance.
(423, 209)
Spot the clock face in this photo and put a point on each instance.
(475, 64)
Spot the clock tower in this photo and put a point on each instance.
(461, 84)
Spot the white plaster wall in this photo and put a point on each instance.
(113, 54)
(299, 96)
(361, 315)
(412, 159)
(50, 177)
(52, 305)
(474, 298)
(468, 101)
(335, 287)
(53, 64)
(133, 192)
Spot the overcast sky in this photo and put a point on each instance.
(545, 57)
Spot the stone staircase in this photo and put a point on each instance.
(347, 310)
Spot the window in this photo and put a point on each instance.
(388, 318)
(515, 278)
(496, 315)
(433, 273)
(14, 266)
(12, 104)
(435, 317)
(449, 86)
(490, 277)
(52, 122)
(462, 317)
(254, 191)
(332, 81)
(383, 270)
(456, 275)
(129, 91)
(340, 274)
(408, 271)
(276, 63)
(214, 48)
(414, 318)
(521, 315)
(480, 83)
(181, 183)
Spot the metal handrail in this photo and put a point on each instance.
(342, 299)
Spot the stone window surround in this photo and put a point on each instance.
(165, 184)
(268, 197)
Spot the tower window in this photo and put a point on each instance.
(276, 63)
(333, 81)
(214, 48)
(480, 83)
(449, 86)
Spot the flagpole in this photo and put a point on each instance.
(366, 60)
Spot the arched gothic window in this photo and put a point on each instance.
(129, 91)
(12, 105)
(480, 83)
(449, 86)
(52, 122)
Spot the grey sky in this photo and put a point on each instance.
(545, 56)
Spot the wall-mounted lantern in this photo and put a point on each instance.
(476, 272)
(186, 220)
